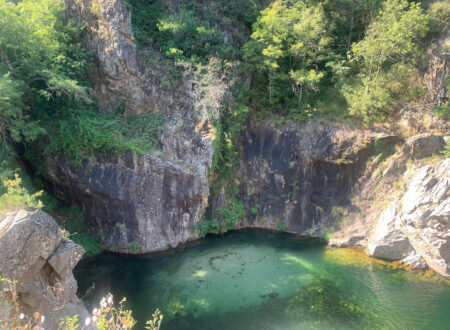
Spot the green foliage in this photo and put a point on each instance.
(69, 323)
(80, 133)
(386, 61)
(230, 217)
(72, 219)
(17, 197)
(9, 167)
(226, 150)
(42, 61)
(290, 45)
(134, 246)
(145, 16)
(439, 16)
(280, 226)
(207, 227)
(188, 33)
(382, 150)
(95, 8)
(155, 323)
(446, 151)
(183, 37)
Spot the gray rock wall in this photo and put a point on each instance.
(419, 222)
(137, 205)
(294, 175)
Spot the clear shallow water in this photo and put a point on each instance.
(262, 280)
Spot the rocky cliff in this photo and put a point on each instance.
(315, 178)
(138, 204)
(298, 177)
(35, 254)
(406, 208)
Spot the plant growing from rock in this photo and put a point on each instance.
(17, 197)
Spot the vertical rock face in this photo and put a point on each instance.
(294, 176)
(146, 204)
(420, 221)
(433, 75)
(120, 76)
(34, 253)
(407, 208)
(138, 206)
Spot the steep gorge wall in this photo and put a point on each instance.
(312, 178)
(294, 176)
(138, 204)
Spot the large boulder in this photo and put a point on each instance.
(424, 145)
(35, 254)
(419, 221)
(388, 241)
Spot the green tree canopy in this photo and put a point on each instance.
(388, 47)
(291, 44)
(40, 60)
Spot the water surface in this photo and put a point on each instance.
(262, 280)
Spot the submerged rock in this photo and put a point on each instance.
(34, 253)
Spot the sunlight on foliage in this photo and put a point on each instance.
(17, 197)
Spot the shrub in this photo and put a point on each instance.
(106, 317)
(17, 197)
(280, 226)
(134, 246)
(439, 16)
(81, 133)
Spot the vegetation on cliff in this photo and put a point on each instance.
(352, 59)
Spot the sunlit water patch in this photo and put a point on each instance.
(262, 280)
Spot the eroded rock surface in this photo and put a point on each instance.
(34, 253)
(419, 221)
(298, 177)
(138, 204)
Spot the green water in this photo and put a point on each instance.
(262, 280)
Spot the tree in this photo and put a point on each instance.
(41, 61)
(292, 44)
(389, 45)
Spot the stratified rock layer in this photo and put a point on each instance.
(34, 253)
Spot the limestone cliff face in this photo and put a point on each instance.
(34, 253)
(120, 75)
(416, 228)
(313, 178)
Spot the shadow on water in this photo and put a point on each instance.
(255, 279)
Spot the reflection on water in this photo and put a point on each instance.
(262, 280)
